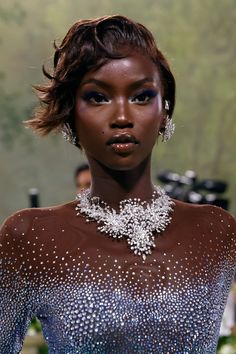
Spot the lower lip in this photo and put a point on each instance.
(123, 147)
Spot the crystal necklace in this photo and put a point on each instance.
(136, 220)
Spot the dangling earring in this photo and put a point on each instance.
(67, 133)
(169, 127)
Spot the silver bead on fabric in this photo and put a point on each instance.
(92, 295)
(67, 134)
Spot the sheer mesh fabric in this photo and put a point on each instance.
(93, 295)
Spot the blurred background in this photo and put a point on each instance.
(199, 39)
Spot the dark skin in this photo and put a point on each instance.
(124, 95)
(83, 180)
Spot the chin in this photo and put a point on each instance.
(127, 163)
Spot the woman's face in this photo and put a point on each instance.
(118, 112)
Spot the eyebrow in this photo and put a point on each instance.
(107, 86)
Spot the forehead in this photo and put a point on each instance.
(126, 70)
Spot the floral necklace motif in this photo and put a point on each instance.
(136, 220)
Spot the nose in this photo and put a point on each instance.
(121, 117)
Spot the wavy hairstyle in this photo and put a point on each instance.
(88, 45)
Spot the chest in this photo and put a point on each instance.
(103, 316)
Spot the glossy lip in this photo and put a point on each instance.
(123, 143)
(122, 138)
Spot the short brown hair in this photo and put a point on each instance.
(87, 46)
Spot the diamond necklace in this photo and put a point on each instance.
(136, 220)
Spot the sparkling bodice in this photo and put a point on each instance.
(93, 295)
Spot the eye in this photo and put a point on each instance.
(96, 98)
(144, 97)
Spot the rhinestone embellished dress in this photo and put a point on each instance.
(93, 295)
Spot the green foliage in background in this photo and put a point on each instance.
(199, 40)
(227, 345)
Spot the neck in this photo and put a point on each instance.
(113, 186)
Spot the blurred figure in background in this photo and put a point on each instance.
(82, 177)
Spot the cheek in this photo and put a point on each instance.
(157, 113)
(82, 114)
(156, 110)
(150, 123)
(88, 124)
(85, 118)
(151, 118)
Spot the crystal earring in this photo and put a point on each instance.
(67, 133)
(169, 127)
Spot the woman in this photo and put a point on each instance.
(123, 268)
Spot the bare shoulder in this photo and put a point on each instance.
(30, 233)
(204, 212)
(214, 223)
(19, 222)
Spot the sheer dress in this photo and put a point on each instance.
(93, 295)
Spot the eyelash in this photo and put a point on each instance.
(148, 93)
(93, 94)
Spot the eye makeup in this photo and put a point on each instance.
(95, 97)
(148, 93)
(142, 97)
